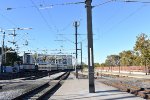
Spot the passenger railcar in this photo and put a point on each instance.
(47, 67)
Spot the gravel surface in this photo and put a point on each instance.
(11, 89)
(142, 83)
(15, 87)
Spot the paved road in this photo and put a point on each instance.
(77, 89)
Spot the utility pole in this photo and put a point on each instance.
(14, 35)
(81, 57)
(76, 24)
(3, 52)
(90, 46)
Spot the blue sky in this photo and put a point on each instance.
(115, 25)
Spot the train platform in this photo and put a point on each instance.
(77, 89)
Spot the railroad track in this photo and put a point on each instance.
(40, 92)
(25, 75)
(34, 77)
(130, 85)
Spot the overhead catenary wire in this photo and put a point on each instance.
(127, 1)
(100, 4)
(52, 23)
(62, 4)
(127, 17)
(108, 2)
(46, 22)
(43, 6)
(57, 30)
(66, 38)
(134, 1)
(66, 27)
(8, 20)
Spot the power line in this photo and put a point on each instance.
(103, 3)
(54, 25)
(44, 7)
(130, 15)
(66, 27)
(38, 9)
(66, 38)
(12, 8)
(64, 4)
(10, 21)
(52, 22)
(133, 1)
(47, 24)
(128, 1)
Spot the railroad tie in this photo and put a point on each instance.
(142, 94)
(135, 90)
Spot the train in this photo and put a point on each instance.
(52, 62)
(45, 67)
(51, 67)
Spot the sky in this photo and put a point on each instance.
(115, 25)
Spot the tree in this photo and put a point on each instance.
(84, 65)
(112, 60)
(11, 57)
(142, 46)
(96, 65)
(103, 64)
(137, 59)
(44, 58)
(35, 57)
(127, 58)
